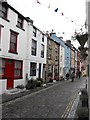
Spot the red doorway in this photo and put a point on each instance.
(10, 73)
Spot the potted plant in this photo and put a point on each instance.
(83, 113)
(39, 82)
(31, 84)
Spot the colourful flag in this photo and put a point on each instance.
(38, 2)
(49, 5)
(56, 10)
(62, 14)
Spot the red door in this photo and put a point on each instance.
(10, 73)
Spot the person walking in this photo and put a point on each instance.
(73, 76)
(79, 74)
(67, 76)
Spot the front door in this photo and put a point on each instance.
(10, 73)
(39, 74)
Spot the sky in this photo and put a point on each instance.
(46, 19)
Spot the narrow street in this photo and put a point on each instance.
(50, 102)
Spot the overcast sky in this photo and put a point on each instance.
(47, 19)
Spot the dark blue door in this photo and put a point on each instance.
(39, 74)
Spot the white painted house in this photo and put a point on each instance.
(36, 57)
(21, 53)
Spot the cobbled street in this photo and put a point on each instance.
(49, 102)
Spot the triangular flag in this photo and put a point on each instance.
(62, 14)
(38, 2)
(49, 5)
(56, 10)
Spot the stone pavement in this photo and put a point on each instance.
(16, 93)
(70, 111)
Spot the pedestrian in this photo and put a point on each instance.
(67, 76)
(73, 76)
(79, 74)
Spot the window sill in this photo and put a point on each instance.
(13, 52)
(18, 77)
(49, 58)
(2, 77)
(20, 28)
(5, 19)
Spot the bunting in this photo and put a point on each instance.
(57, 10)
(38, 2)
(62, 14)
(49, 5)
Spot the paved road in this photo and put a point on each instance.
(50, 102)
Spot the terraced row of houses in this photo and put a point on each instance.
(26, 52)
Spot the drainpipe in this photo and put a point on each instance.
(29, 23)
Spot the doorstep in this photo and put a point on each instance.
(14, 90)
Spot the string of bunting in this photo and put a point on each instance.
(62, 14)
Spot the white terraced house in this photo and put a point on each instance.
(22, 49)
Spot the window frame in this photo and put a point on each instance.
(3, 10)
(21, 69)
(42, 37)
(33, 70)
(34, 31)
(20, 22)
(34, 48)
(42, 51)
(2, 67)
(49, 53)
(14, 43)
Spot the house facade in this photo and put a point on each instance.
(22, 55)
(67, 57)
(88, 45)
(52, 66)
(37, 51)
(62, 54)
(78, 61)
(72, 58)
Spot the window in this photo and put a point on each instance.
(18, 69)
(49, 53)
(34, 31)
(49, 41)
(42, 51)
(3, 10)
(56, 58)
(2, 68)
(34, 47)
(13, 41)
(33, 69)
(56, 70)
(61, 58)
(49, 68)
(42, 37)
(20, 22)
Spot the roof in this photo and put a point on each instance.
(9, 6)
